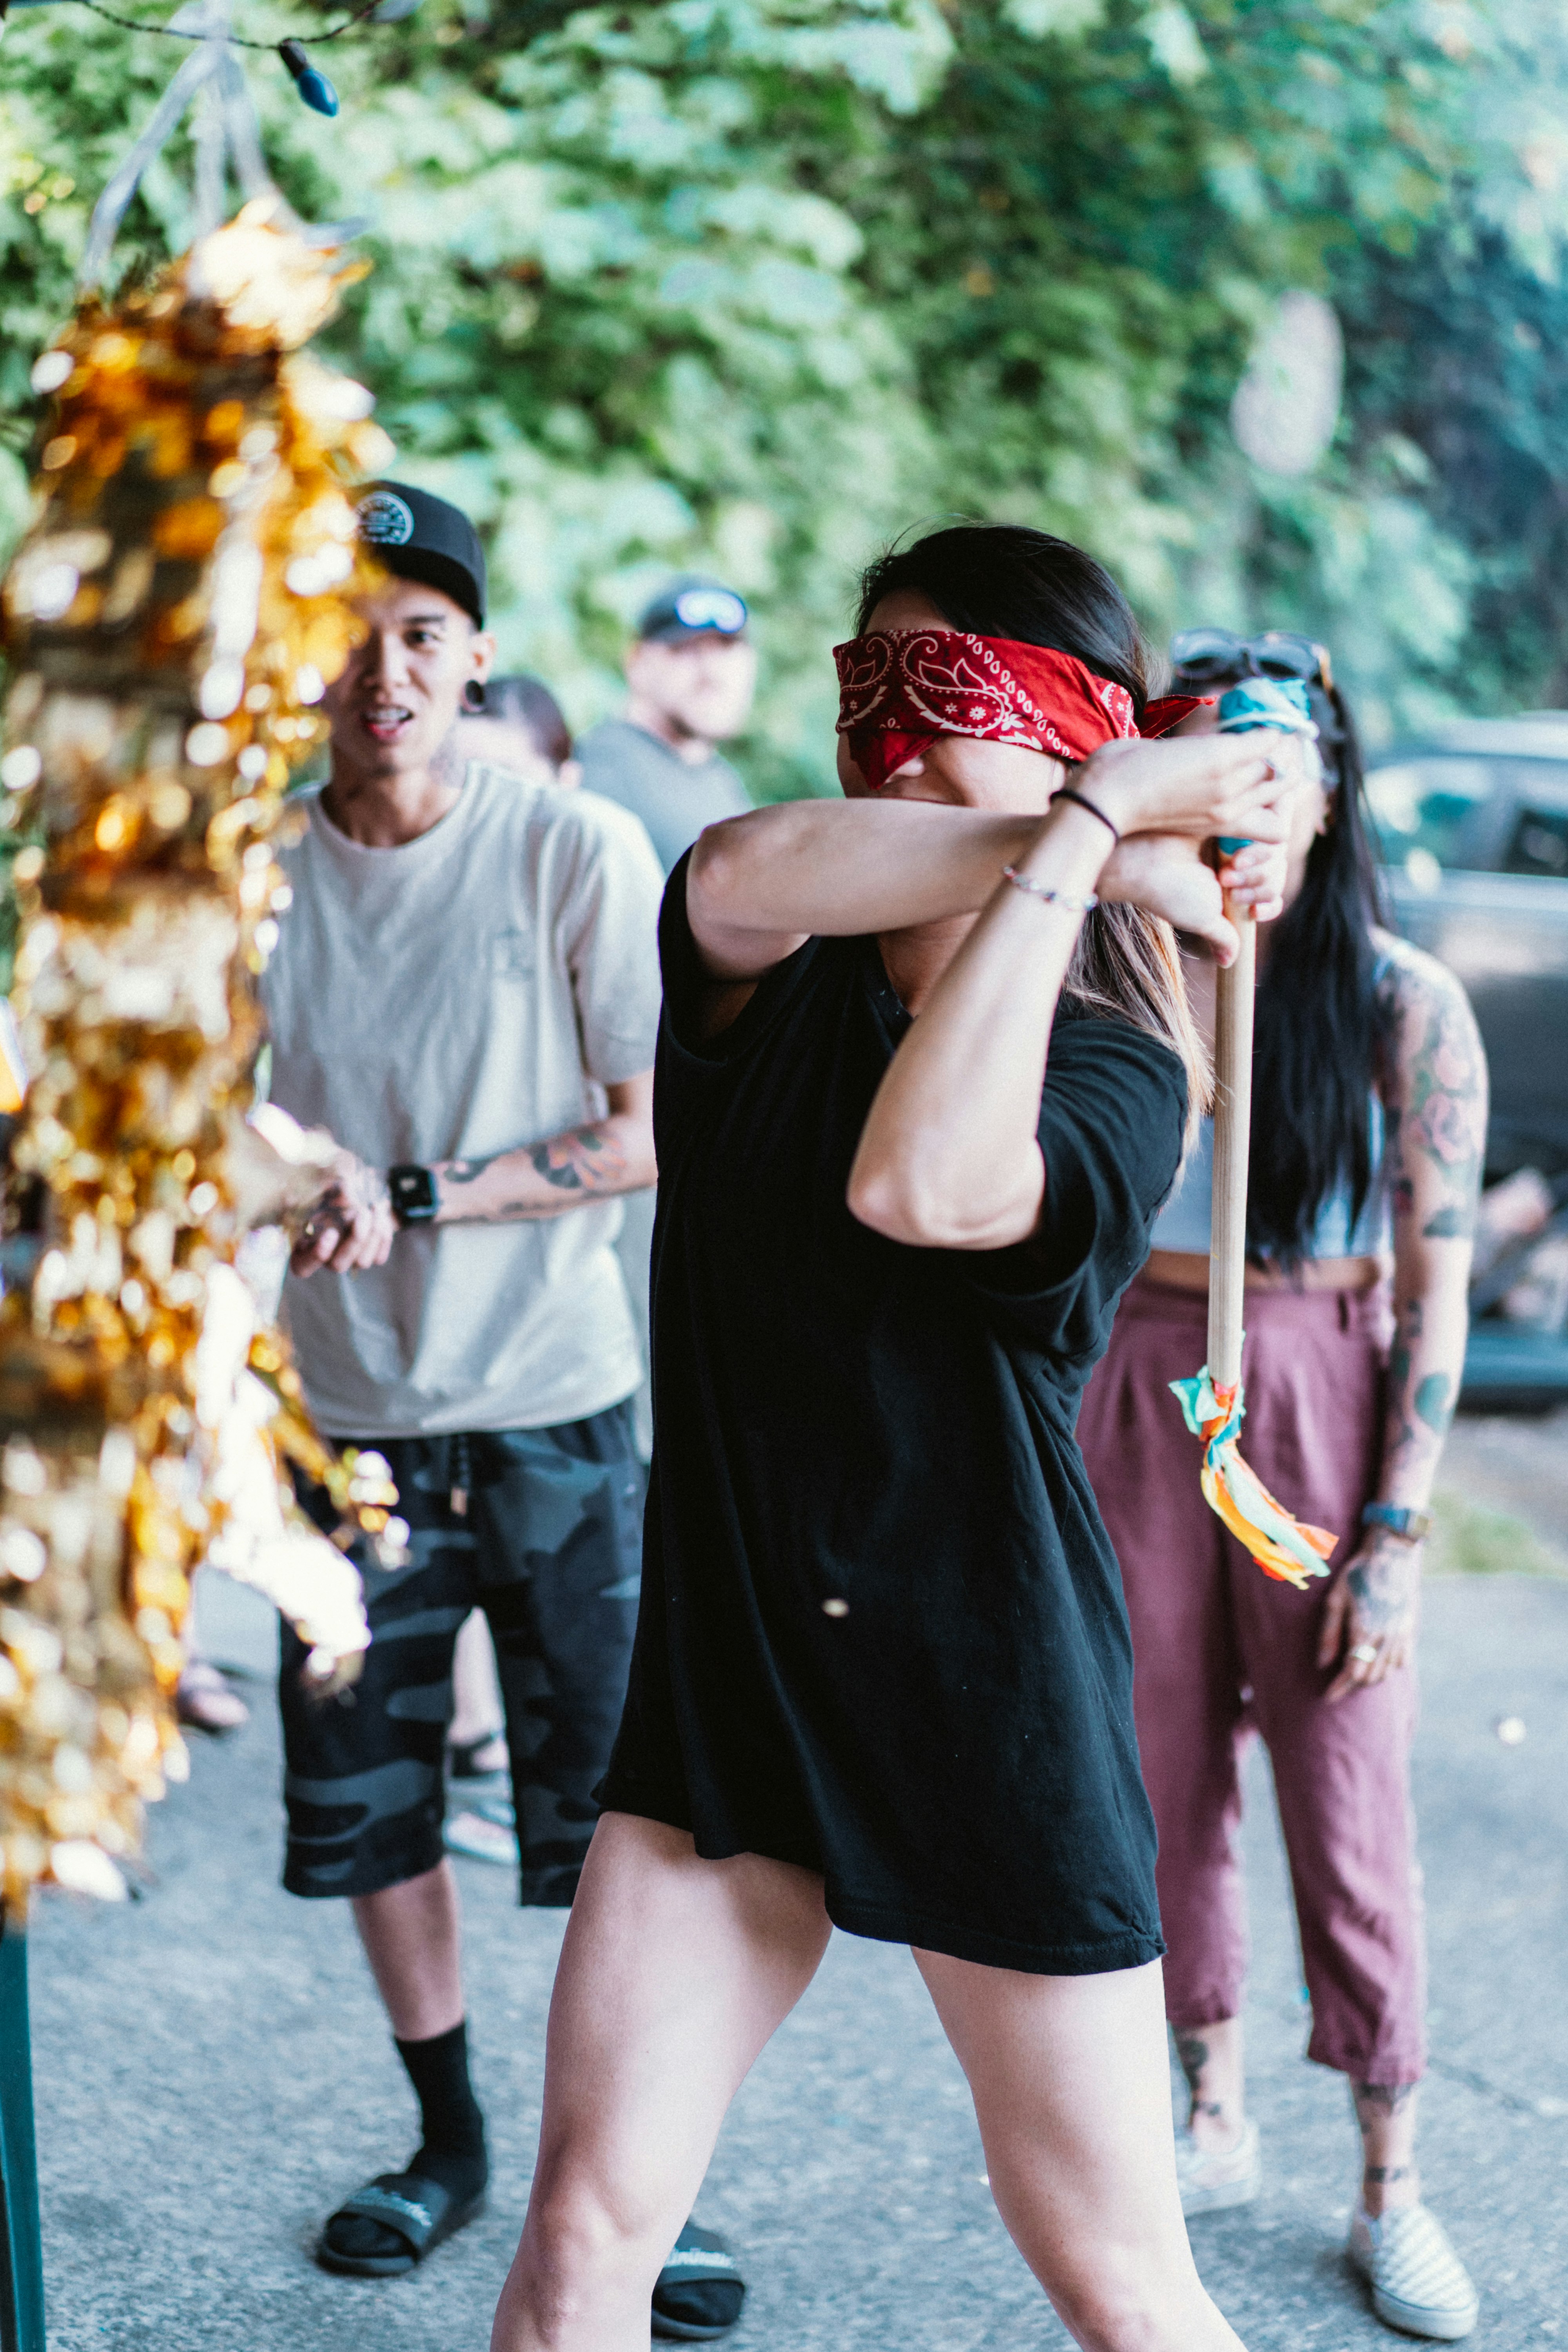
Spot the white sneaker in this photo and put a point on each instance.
(1418, 2281)
(1210, 2181)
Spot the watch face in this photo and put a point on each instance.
(413, 1194)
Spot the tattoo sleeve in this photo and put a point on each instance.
(1437, 1135)
(1434, 1085)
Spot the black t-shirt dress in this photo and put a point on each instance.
(882, 1632)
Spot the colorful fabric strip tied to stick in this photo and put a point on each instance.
(1212, 1403)
(1283, 1547)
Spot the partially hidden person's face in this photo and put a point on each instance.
(959, 770)
(505, 743)
(398, 701)
(703, 685)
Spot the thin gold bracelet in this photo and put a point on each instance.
(1038, 890)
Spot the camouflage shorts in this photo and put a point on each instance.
(541, 1529)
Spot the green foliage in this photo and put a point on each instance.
(753, 284)
(1471, 1538)
(1087, 234)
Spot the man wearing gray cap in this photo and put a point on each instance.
(691, 670)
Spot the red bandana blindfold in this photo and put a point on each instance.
(900, 690)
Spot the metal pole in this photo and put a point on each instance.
(21, 2241)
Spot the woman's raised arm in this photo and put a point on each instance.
(949, 1157)
(759, 884)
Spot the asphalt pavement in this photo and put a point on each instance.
(213, 2075)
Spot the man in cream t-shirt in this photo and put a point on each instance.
(466, 994)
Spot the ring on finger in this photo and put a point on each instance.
(1366, 1654)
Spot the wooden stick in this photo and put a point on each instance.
(1234, 990)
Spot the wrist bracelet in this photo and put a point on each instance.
(1065, 793)
(1038, 890)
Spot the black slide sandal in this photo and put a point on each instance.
(700, 2290)
(419, 2212)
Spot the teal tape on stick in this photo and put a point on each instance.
(1280, 703)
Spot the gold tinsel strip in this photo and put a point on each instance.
(170, 622)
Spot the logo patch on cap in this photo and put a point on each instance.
(386, 520)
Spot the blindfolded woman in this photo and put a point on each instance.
(1368, 1134)
(923, 1083)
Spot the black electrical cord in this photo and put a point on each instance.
(174, 33)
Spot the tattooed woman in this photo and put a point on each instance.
(1368, 1123)
(923, 1082)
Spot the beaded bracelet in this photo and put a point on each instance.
(1038, 890)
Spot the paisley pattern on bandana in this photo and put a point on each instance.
(900, 689)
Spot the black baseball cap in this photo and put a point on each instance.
(419, 537)
(692, 606)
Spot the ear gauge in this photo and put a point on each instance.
(474, 696)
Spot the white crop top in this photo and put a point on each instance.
(1183, 1223)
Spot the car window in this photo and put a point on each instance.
(1538, 843)
(1423, 808)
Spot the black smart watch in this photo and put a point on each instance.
(412, 1191)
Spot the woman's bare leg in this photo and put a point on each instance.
(674, 1973)
(1072, 2089)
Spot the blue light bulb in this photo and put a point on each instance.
(311, 84)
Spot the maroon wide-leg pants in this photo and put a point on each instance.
(1220, 1651)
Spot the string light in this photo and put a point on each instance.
(311, 84)
(314, 89)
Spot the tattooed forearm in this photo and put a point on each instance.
(1433, 1401)
(538, 1180)
(1411, 1395)
(586, 1160)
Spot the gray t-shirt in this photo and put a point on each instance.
(459, 995)
(674, 798)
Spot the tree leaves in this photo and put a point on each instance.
(750, 285)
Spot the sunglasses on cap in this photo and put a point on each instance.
(1218, 657)
(711, 608)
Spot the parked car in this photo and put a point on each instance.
(1473, 822)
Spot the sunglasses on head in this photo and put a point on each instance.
(711, 608)
(1218, 657)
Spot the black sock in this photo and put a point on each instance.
(453, 2149)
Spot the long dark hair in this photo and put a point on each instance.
(1317, 1039)
(1002, 580)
